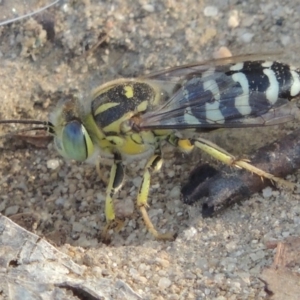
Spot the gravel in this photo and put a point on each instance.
(218, 258)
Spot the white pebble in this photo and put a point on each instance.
(60, 201)
(233, 20)
(207, 291)
(149, 8)
(52, 164)
(259, 255)
(133, 272)
(285, 40)
(231, 246)
(230, 267)
(97, 271)
(142, 268)
(100, 197)
(210, 11)
(247, 37)
(219, 278)
(190, 233)
(244, 276)
(175, 192)
(267, 192)
(164, 283)
(235, 286)
(65, 8)
(171, 173)
(286, 234)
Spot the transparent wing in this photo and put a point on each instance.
(209, 97)
(221, 64)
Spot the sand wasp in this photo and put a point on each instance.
(131, 117)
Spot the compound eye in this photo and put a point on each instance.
(75, 142)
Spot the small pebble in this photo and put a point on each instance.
(207, 291)
(164, 283)
(257, 256)
(137, 181)
(175, 192)
(222, 53)
(77, 227)
(190, 233)
(248, 21)
(267, 192)
(12, 210)
(52, 164)
(202, 263)
(60, 201)
(211, 11)
(149, 8)
(234, 20)
(3, 205)
(286, 234)
(285, 40)
(219, 278)
(247, 37)
(236, 286)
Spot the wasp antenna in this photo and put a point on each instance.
(15, 132)
(29, 122)
(47, 126)
(35, 122)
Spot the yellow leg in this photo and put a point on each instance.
(222, 155)
(115, 182)
(154, 164)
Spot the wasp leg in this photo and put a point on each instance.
(115, 182)
(225, 157)
(153, 165)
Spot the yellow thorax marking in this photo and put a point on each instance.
(136, 144)
(105, 107)
(128, 91)
(142, 106)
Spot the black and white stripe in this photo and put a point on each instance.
(227, 95)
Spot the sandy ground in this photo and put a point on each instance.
(218, 258)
